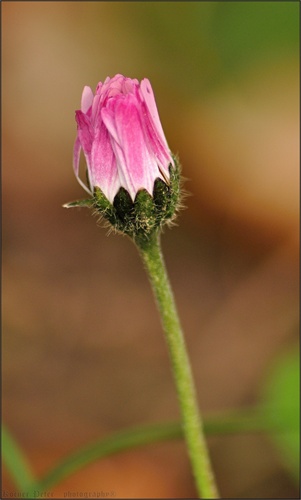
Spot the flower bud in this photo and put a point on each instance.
(131, 174)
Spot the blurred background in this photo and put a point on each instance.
(83, 350)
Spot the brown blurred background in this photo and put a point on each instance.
(83, 350)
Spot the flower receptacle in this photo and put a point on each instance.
(144, 217)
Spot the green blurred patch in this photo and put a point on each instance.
(281, 396)
(246, 31)
(196, 45)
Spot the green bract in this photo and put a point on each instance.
(144, 217)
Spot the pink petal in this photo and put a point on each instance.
(153, 128)
(85, 136)
(84, 131)
(76, 157)
(128, 85)
(149, 99)
(96, 108)
(137, 168)
(87, 99)
(104, 173)
(111, 87)
(98, 88)
(108, 116)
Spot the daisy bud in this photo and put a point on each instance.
(132, 177)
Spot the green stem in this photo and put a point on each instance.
(191, 419)
(15, 461)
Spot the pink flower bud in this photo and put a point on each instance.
(120, 133)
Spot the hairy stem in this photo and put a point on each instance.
(191, 419)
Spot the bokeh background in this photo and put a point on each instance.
(83, 350)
